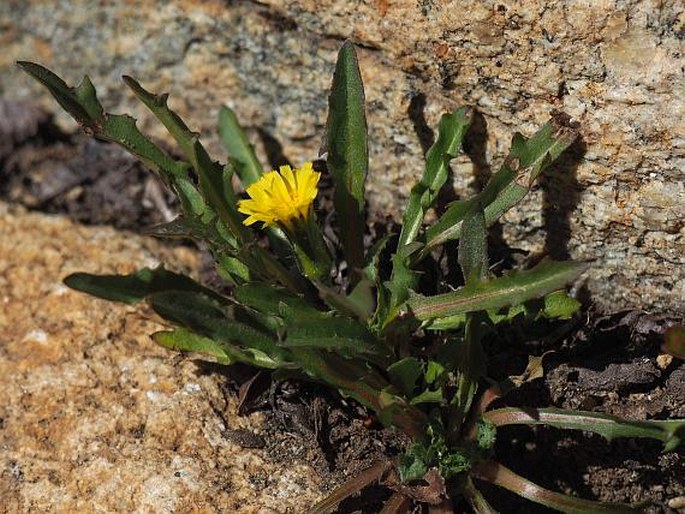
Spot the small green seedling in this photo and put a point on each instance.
(415, 359)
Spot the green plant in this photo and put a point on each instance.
(415, 359)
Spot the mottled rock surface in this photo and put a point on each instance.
(618, 198)
(94, 417)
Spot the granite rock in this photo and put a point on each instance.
(618, 198)
(94, 416)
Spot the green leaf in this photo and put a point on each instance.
(526, 160)
(451, 131)
(469, 364)
(201, 314)
(428, 396)
(555, 305)
(473, 246)
(497, 474)
(412, 464)
(276, 302)
(240, 151)
(309, 327)
(81, 102)
(355, 378)
(512, 289)
(182, 340)
(373, 258)
(337, 334)
(674, 341)
(610, 427)
(402, 282)
(133, 288)
(243, 158)
(348, 154)
(363, 299)
(404, 373)
(559, 305)
(219, 195)
(434, 371)
(357, 304)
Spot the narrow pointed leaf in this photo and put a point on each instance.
(348, 155)
(337, 334)
(473, 247)
(81, 102)
(219, 196)
(526, 160)
(363, 299)
(497, 474)
(182, 340)
(240, 151)
(610, 427)
(500, 292)
(133, 288)
(476, 499)
(451, 131)
(555, 305)
(243, 158)
(470, 366)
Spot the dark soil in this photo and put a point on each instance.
(605, 363)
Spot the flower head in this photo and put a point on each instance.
(280, 197)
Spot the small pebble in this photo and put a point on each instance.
(677, 503)
(664, 360)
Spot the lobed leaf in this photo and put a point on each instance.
(609, 427)
(526, 160)
(218, 194)
(555, 305)
(512, 289)
(82, 104)
(451, 131)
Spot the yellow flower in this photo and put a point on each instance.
(280, 197)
